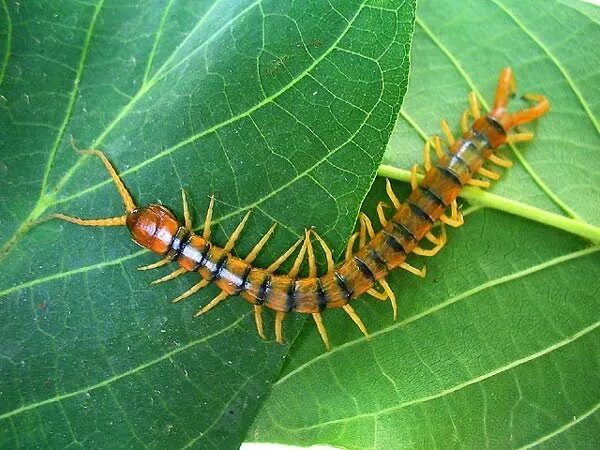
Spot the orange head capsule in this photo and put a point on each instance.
(152, 227)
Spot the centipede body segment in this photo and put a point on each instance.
(461, 162)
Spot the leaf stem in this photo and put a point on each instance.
(477, 196)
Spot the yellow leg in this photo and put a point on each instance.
(300, 258)
(350, 246)
(380, 214)
(474, 105)
(356, 319)
(382, 296)
(258, 247)
(479, 183)
(437, 240)
(437, 146)
(368, 225)
(391, 195)
(310, 255)
(414, 182)
(322, 330)
(259, 321)
(214, 302)
(426, 157)
(208, 219)
(391, 295)
(441, 241)
(448, 133)
(326, 250)
(501, 161)
(170, 276)
(418, 272)
(488, 173)
(186, 211)
(519, 137)
(456, 218)
(279, 316)
(155, 265)
(109, 222)
(464, 122)
(195, 288)
(236, 234)
(127, 200)
(273, 267)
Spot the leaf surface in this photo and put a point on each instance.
(268, 105)
(498, 346)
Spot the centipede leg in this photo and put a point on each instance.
(326, 250)
(439, 241)
(414, 182)
(321, 327)
(273, 267)
(456, 219)
(300, 258)
(418, 272)
(391, 194)
(195, 288)
(447, 133)
(155, 265)
(519, 137)
(479, 183)
(170, 276)
(208, 219)
(488, 173)
(259, 321)
(474, 105)
(529, 114)
(236, 234)
(381, 296)
(426, 159)
(380, 213)
(392, 297)
(258, 247)
(279, 316)
(356, 319)
(350, 246)
(214, 302)
(506, 163)
(186, 210)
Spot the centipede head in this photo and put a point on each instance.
(153, 227)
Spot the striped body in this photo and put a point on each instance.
(387, 250)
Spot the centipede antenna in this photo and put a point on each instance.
(109, 222)
(123, 192)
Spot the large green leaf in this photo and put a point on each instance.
(498, 346)
(269, 105)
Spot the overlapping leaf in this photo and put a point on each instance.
(269, 105)
(498, 346)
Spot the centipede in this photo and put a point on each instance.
(370, 256)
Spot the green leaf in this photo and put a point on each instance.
(498, 346)
(281, 108)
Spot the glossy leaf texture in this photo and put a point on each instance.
(279, 108)
(498, 346)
